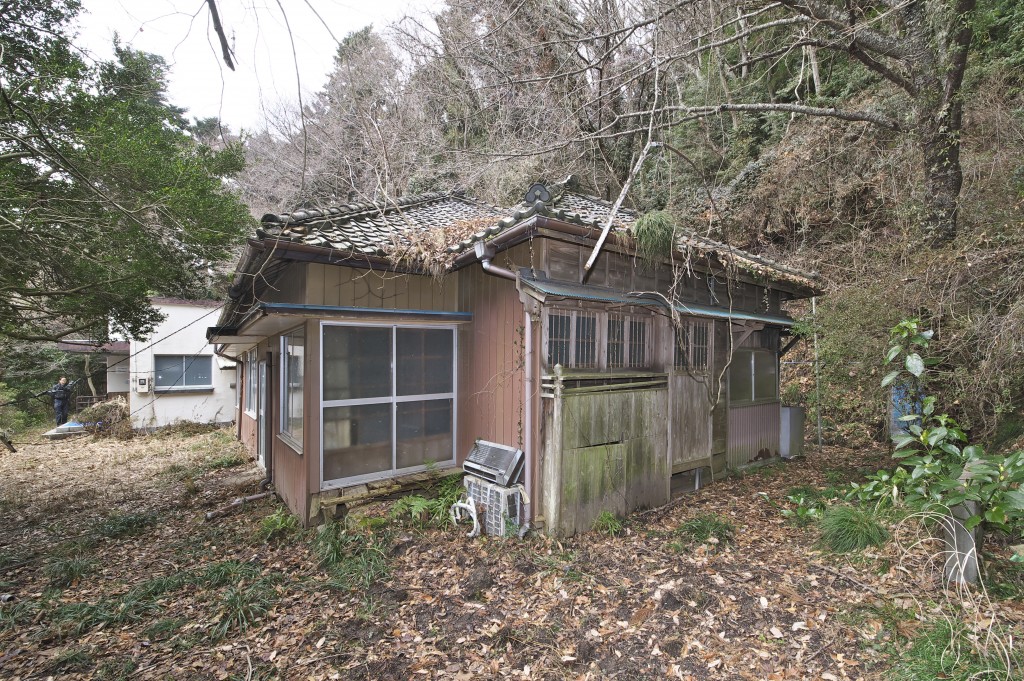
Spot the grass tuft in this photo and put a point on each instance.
(229, 572)
(279, 525)
(241, 607)
(848, 528)
(125, 524)
(705, 527)
(608, 524)
(65, 571)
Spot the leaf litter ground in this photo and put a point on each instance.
(111, 573)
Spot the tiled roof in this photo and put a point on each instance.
(381, 228)
(370, 228)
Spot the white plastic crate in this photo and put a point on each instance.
(496, 504)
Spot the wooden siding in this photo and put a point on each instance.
(604, 451)
(353, 287)
(690, 421)
(247, 436)
(289, 287)
(753, 433)
(491, 356)
(289, 466)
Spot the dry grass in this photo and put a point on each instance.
(85, 471)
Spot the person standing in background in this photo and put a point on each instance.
(61, 399)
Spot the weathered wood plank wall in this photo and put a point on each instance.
(604, 451)
(690, 421)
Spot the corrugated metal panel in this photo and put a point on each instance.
(753, 433)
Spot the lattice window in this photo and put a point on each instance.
(638, 337)
(585, 340)
(693, 345)
(616, 341)
(559, 337)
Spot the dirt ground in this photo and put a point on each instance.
(108, 571)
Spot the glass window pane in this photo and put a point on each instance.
(169, 370)
(558, 339)
(357, 440)
(586, 340)
(425, 358)
(765, 378)
(198, 371)
(740, 383)
(357, 362)
(424, 432)
(616, 341)
(293, 363)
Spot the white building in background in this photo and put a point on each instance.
(174, 375)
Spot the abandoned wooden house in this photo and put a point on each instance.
(380, 340)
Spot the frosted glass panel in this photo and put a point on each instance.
(424, 432)
(765, 378)
(357, 440)
(357, 362)
(740, 384)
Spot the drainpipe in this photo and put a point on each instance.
(528, 409)
(485, 253)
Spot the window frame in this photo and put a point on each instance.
(685, 358)
(284, 427)
(602, 339)
(394, 399)
(748, 356)
(251, 382)
(186, 362)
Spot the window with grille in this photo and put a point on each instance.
(693, 345)
(585, 339)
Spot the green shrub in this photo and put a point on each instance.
(607, 523)
(705, 527)
(807, 506)
(847, 528)
(423, 511)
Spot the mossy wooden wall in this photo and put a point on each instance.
(605, 451)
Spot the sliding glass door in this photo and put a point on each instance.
(388, 400)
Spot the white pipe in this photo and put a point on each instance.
(528, 408)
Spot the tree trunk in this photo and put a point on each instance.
(939, 127)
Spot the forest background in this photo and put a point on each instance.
(877, 143)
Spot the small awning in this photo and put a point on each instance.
(270, 319)
(548, 290)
